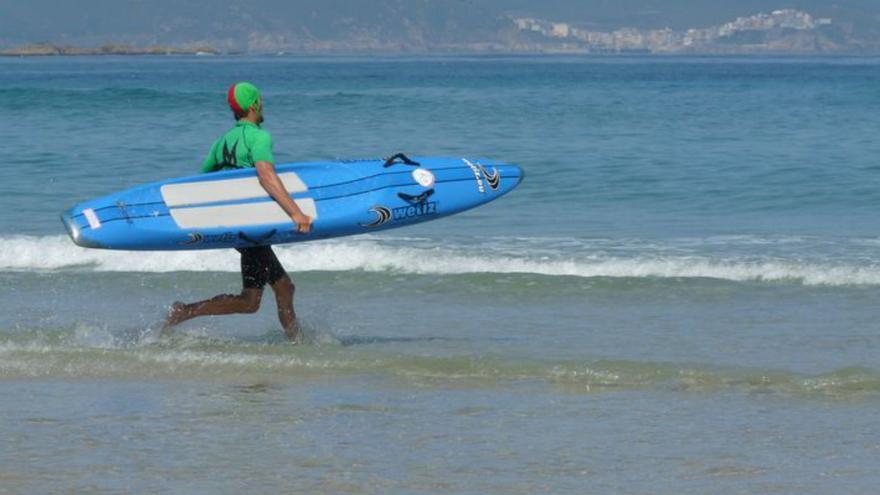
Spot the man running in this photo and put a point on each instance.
(247, 145)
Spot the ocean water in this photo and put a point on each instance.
(681, 297)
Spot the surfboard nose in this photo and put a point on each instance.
(511, 176)
(518, 172)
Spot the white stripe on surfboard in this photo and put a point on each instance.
(193, 193)
(94, 222)
(241, 215)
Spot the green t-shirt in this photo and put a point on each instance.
(241, 147)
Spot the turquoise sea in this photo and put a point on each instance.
(681, 297)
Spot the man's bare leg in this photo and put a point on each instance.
(284, 290)
(246, 302)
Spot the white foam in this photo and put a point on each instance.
(30, 253)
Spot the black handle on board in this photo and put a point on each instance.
(403, 159)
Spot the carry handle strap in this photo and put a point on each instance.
(416, 200)
(403, 159)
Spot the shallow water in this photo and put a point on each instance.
(680, 298)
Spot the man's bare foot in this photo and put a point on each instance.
(178, 313)
(294, 332)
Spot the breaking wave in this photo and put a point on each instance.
(56, 253)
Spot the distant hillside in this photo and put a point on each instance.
(309, 26)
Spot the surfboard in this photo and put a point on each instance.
(231, 209)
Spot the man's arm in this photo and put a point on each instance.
(210, 161)
(273, 185)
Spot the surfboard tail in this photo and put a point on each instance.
(75, 232)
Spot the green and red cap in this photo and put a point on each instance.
(242, 96)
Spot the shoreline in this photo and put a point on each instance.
(51, 50)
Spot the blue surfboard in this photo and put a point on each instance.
(231, 209)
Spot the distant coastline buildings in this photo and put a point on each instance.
(785, 31)
(779, 30)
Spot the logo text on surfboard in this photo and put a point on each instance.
(493, 178)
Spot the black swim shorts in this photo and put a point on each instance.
(259, 266)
